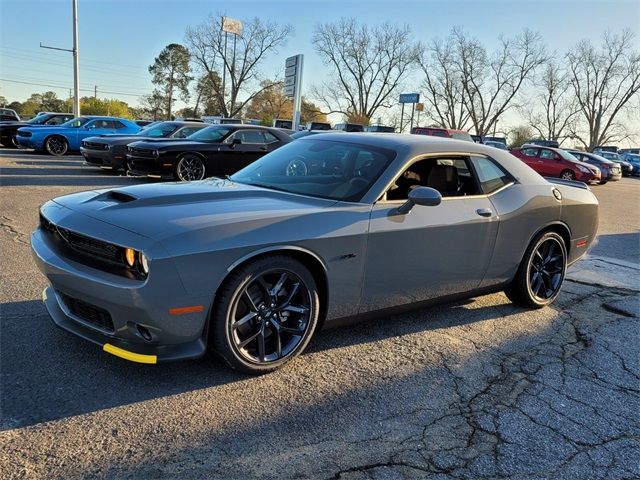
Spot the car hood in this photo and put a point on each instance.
(168, 143)
(113, 139)
(586, 165)
(164, 210)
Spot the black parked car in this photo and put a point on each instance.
(8, 129)
(609, 170)
(379, 129)
(217, 150)
(543, 143)
(350, 127)
(110, 151)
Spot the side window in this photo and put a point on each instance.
(118, 125)
(270, 137)
(530, 152)
(186, 131)
(251, 136)
(491, 176)
(56, 120)
(544, 153)
(450, 176)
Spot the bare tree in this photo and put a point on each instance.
(368, 65)
(443, 85)
(492, 82)
(604, 81)
(211, 52)
(554, 113)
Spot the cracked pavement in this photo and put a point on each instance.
(477, 389)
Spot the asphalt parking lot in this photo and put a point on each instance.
(475, 389)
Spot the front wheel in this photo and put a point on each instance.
(189, 168)
(603, 182)
(568, 175)
(265, 314)
(56, 146)
(541, 272)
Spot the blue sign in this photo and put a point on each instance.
(409, 98)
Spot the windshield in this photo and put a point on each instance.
(76, 122)
(567, 156)
(214, 133)
(38, 119)
(158, 130)
(319, 168)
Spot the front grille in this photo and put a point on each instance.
(90, 313)
(23, 133)
(84, 245)
(95, 146)
(142, 152)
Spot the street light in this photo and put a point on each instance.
(76, 68)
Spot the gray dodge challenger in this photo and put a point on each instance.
(323, 228)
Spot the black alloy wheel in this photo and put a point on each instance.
(189, 168)
(56, 145)
(541, 273)
(266, 314)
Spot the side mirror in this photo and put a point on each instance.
(425, 196)
(234, 142)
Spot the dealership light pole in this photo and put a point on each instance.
(76, 68)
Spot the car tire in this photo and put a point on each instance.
(567, 175)
(56, 145)
(265, 314)
(602, 182)
(540, 275)
(189, 168)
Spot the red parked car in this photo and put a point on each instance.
(442, 132)
(554, 162)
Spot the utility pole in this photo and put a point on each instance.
(76, 68)
(95, 92)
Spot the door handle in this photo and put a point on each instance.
(484, 212)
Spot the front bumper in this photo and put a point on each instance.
(110, 310)
(150, 167)
(29, 142)
(112, 159)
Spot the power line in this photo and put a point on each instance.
(66, 87)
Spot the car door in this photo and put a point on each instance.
(550, 163)
(239, 149)
(431, 251)
(530, 157)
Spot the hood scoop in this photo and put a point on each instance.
(116, 196)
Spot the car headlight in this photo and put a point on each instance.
(137, 261)
(583, 169)
(155, 153)
(144, 264)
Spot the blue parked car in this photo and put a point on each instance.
(68, 136)
(634, 160)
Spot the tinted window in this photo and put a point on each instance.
(56, 120)
(118, 125)
(490, 175)
(211, 134)
(530, 152)
(462, 136)
(319, 168)
(248, 136)
(76, 122)
(159, 131)
(186, 131)
(270, 137)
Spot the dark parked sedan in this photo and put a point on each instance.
(627, 168)
(8, 130)
(610, 171)
(110, 151)
(217, 150)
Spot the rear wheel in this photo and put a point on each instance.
(541, 272)
(265, 314)
(602, 182)
(56, 145)
(568, 175)
(188, 168)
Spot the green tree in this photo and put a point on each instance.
(171, 73)
(208, 95)
(519, 135)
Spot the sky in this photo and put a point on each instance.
(119, 39)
